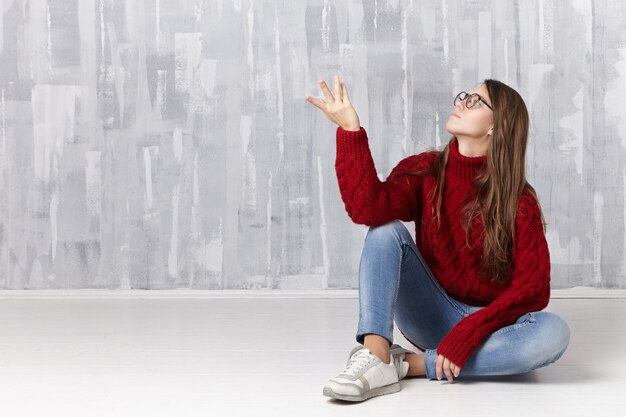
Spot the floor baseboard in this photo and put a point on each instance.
(576, 292)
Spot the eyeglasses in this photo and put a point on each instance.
(470, 100)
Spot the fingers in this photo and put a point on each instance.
(445, 367)
(337, 90)
(438, 366)
(327, 92)
(340, 90)
(345, 93)
(455, 370)
(321, 104)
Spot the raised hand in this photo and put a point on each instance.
(337, 107)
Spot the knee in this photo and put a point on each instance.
(552, 339)
(559, 332)
(394, 229)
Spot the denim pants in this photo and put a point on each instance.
(396, 283)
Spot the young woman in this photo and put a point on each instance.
(468, 292)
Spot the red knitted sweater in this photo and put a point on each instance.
(372, 202)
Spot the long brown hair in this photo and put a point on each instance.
(498, 187)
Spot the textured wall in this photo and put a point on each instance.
(168, 144)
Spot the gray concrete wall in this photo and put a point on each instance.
(168, 144)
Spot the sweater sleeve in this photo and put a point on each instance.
(529, 289)
(368, 200)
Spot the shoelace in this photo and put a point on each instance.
(357, 362)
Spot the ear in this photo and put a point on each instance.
(490, 132)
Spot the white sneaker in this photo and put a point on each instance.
(364, 377)
(398, 353)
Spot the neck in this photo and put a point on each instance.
(472, 147)
(461, 167)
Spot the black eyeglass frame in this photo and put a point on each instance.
(468, 96)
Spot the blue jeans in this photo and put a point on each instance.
(395, 280)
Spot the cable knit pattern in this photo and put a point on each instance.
(372, 202)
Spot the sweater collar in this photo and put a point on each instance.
(463, 168)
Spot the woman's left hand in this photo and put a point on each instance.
(443, 363)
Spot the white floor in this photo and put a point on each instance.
(269, 357)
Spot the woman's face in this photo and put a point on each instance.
(474, 122)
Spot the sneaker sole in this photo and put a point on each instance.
(386, 389)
